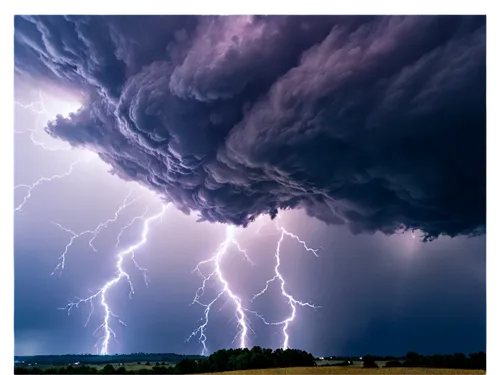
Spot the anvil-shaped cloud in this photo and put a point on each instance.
(378, 123)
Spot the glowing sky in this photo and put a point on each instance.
(378, 293)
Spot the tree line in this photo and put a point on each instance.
(96, 359)
(259, 358)
(413, 359)
(222, 360)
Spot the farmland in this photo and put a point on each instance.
(252, 361)
(352, 370)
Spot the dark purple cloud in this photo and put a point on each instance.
(375, 122)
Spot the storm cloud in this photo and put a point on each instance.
(378, 123)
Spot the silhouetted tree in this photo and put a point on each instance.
(187, 366)
(108, 369)
(80, 370)
(21, 370)
(159, 370)
(393, 364)
(203, 366)
(478, 360)
(413, 359)
(369, 361)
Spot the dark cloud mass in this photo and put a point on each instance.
(374, 122)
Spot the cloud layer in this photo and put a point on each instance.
(378, 123)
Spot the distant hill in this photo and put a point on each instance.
(94, 359)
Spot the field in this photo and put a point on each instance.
(131, 366)
(323, 362)
(353, 370)
(136, 362)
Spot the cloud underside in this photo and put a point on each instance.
(378, 123)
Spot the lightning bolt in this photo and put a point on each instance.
(102, 293)
(38, 107)
(40, 181)
(32, 106)
(94, 232)
(120, 274)
(38, 143)
(292, 301)
(242, 321)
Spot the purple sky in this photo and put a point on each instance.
(357, 125)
